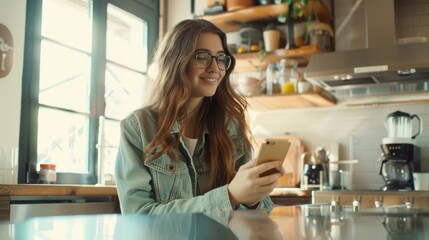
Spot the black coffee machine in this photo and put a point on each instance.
(400, 157)
(397, 166)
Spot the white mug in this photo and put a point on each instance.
(304, 87)
(421, 181)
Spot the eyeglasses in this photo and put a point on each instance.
(204, 59)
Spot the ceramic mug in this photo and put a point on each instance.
(421, 181)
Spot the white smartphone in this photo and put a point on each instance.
(272, 150)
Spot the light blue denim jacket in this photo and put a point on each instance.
(159, 186)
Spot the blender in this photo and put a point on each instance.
(400, 157)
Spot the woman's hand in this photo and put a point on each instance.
(248, 187)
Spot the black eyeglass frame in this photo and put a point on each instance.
(227, 64)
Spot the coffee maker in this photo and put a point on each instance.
(400, 156)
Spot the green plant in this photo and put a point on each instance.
(296, 9)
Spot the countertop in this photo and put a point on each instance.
(56, 190)
(90, 190)
(291, 222)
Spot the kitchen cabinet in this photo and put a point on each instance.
(248, 62)
(21, 201)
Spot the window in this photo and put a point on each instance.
(85, 69)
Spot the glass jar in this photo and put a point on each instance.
(288, 76)
(47, 173)
(271, 82)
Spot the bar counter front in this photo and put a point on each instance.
(312, 221)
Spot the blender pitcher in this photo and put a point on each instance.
(400, 125)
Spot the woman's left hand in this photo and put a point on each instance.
(248, 187)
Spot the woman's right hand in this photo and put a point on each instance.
(248, 187)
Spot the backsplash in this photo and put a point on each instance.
(412, 18)
(358, 130)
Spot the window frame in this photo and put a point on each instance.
(148, 10)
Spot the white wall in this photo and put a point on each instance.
(177, 10)
(358, 130)
(12, 15)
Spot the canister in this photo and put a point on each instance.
(47, 173)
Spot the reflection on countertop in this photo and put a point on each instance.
(313, 221)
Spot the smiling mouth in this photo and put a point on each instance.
(210, 80)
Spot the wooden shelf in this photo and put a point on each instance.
(250, 62)
(232, 20)
(246, 62)
(272, 102)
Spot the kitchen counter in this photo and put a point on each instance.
(282, 196)
(56, 190)
(365, 199)
(91, 190)
(292, 222)
(290, 192)
(20, 201)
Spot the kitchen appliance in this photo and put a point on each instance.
(399, 125)
(397, 166)
(313, 175)
(399, 159)
(367, 60)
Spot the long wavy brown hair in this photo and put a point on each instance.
(172, 91)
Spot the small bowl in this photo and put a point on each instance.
(250, 86)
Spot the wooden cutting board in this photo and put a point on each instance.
(292, 163)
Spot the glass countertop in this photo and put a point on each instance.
(310, 221)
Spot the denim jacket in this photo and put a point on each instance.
(160, 186)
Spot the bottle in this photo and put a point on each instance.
(47, 173)
(270, 78)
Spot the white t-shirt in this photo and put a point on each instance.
(190, 144)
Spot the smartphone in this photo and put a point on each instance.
(272, 150)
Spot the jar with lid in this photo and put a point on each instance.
(47, 173)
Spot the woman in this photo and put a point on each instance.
(189, 150)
